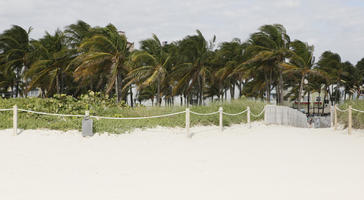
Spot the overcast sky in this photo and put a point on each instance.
(336, 25)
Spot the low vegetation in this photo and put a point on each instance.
(101, 105)
(358, 118)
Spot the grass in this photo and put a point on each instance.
(358, 118)
(34, 121)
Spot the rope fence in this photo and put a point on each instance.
(50, 114)
(334, 116)
(187, 112)
(333, 111)
(258, 115)
(204, 114)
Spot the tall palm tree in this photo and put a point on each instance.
(108, 51)
(228, 58)
(195, 52)
(352, 80)
(331, 67)
(301, 62)
(152, 65)
(360, 67)
(269, 48)
(48, 72)
(16, 48)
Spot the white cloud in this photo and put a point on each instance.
(328, 24)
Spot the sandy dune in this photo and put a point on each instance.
(264, 162)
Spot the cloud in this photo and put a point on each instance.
(328, 24)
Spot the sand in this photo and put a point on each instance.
(264, 162)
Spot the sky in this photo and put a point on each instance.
(335, 25)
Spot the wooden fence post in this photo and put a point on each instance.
(350, 122)
(248, 116)
(331, 116)
(15, 119)
(220, 121)
(188, 122)
(335, 114)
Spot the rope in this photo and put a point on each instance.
(150, 117)
(257, 114)
(234, 114)
(51, 114)
(204, 114)
(342, 110)
(361, 111)
(100, 117)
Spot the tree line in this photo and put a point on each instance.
(83, 58)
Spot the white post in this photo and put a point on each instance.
(188, 122)
(87, 114)
(15, 119)
(350, 123)
(331, 116)
(248, 116)
(220, 121)
(335, 120)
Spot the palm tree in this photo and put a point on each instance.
(15, 53)
(77, 33)
(301, 62)
(268, 49)
(352, 80)
(152, 65)
(331, 67)
(48, 72)
(195, 52)
(108, 52)
(360, 67)
(227, 59)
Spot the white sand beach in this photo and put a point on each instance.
(264, 162)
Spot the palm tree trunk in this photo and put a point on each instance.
(225, 94)
(323, 103)
(232, 88)
(199, 94)
(158, 92)
(308, 102)
(117, 89)
(131, 97)
(240, 88)
(57, 84)
(267, 87)
(202, 85)
(61, 82)
(319, 103)
(281, 87)
(300, 91)
(12, 90)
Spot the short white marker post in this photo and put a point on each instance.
(188, 122)
(350, 123)
(335, 113)
(15, 119)
(87, 113)
(331, 116)
(220, 121)
(248, 116)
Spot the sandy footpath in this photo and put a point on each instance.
(264, 162)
